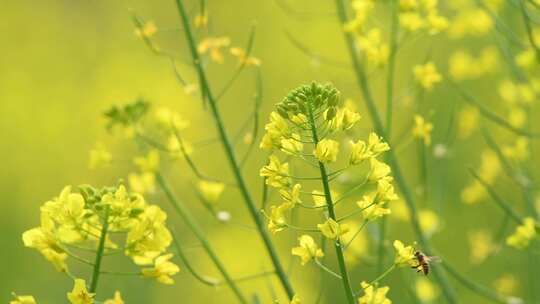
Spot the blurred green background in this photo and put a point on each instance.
(64, 62)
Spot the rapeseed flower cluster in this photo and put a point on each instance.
(80, 219)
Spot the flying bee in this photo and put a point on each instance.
(424, 262)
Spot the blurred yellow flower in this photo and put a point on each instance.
(307, 250)
(326, 150)
(523, 235)
(400, 210)
(243, 57)
(467, 121)
(147, 30)
(167, 119)
(429, 221)
(422, 129)
(148, 163)
(427, 75)
(374, 295)
(481, 245)
(99, 157)
(163, 269)
(519, 151)
(210, 191)
(142, 183)
(201, 20)
(332, 229)
(79, 294)
(425, 290)
(213, 45)
(507, 284)
(375, 50)
(295, 300)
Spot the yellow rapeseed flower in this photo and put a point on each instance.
(374, 295)
(422, 129)
(378, 170)
(326, 150)
(148, 163)
(23, 300)
(99, 157)
(404, 255)
(276, 173)
(481, 245)
(427, 75)
(523, 235)
(210, 191)
(147, 30)
(163, 269)
(213, 45)
(116, 300)
(243, 57)
(307, 250)
(426, 291)
(79, 294)
(332, 229)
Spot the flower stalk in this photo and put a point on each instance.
(100, 250)
(332, 214)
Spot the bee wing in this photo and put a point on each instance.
(433, 259)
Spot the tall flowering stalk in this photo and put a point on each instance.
(312, 115)
(207, 94)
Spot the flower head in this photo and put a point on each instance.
(307, 250)
(326, 150)
(79, 294)
(213, 45)
(116, 300)
(427, 75)
(276, 173)
(422, 129)
(404, 255)
(523, 235)
(210, 191)
(23, 300)
(374, 295)
(162, 270)
(332, 229)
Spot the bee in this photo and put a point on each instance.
(424, 262)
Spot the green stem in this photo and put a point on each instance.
(201, 278)
(379, 128)
(331, 213)
(206, 92)
(383, 275)
(194, 226)
(391, 68)
(99, 253)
